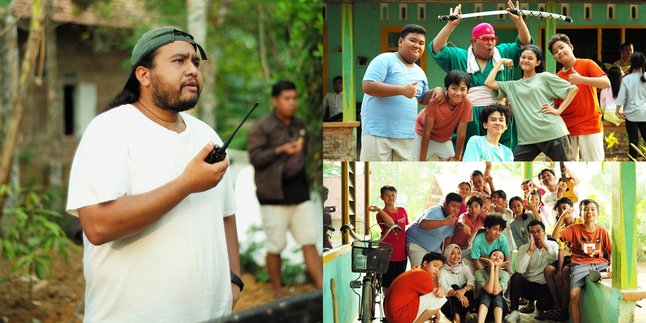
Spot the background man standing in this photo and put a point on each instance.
(276, 150)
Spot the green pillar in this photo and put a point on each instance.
(347, 61)
(624, 227)
(550, 30)
(528, 170)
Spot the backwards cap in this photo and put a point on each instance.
(159, 37)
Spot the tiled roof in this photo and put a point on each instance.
(120, 13)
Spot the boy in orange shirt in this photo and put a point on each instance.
(583, 116)
(591, 251)
(416, 296)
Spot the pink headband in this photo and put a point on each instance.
(482, 29)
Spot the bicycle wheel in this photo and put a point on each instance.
(366, 300)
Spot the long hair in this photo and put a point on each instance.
(614, 75)
(638, 61)
(131, 91)
(540, 68)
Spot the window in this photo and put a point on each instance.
(403, 13)
(634, 12)
(477, 7)
(421, 12)
(587, 11)
(611, 12)
(383, 11)
(502, 6)
(565, 9)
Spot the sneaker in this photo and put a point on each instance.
(594, 276)
(513, 317)
(555, 314)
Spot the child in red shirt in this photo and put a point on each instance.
(388, 216)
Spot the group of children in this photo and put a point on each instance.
(483, 113)
(469, 269)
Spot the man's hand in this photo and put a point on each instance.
(510, 6)
(199, 176)
(410, 90)
(458, 12)
(290, 148)
(452, 219)
(466, 229)
(532, 245)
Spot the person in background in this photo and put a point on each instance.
(624, 57)
(608, 96)
(276, 150)
(632, 97)
(333, 101)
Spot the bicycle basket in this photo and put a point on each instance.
(371, 256)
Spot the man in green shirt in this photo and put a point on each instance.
(478, 60)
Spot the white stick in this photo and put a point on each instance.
(533, 13)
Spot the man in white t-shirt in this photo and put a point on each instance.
(158, 221)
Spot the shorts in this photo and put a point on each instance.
(437, 151)
(567, 260)
(429, 302)
(299, 218)
(375, 148)
(578, 273)
(587, 147)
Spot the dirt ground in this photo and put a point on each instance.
(59, 297)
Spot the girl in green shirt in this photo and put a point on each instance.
(540, 128)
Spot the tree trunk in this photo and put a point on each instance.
(262, 41)
(54, 103)
(212, 62)
(196, 14)
(9, 142)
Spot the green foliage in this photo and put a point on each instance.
(30, 232)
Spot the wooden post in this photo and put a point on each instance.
(347, 59)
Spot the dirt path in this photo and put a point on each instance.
(59, 297)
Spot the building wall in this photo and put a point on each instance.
(78, 63)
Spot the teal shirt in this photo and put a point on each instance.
(479, 149)
(482, 277)
(527, 97)
(455, 58)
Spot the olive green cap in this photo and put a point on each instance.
(159, 37)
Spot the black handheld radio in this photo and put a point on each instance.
(219, 153)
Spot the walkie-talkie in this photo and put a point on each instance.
(219, 153)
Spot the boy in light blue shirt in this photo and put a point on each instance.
(393, 88)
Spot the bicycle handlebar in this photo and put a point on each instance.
(349, 227)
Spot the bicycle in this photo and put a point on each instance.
(372, 258)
